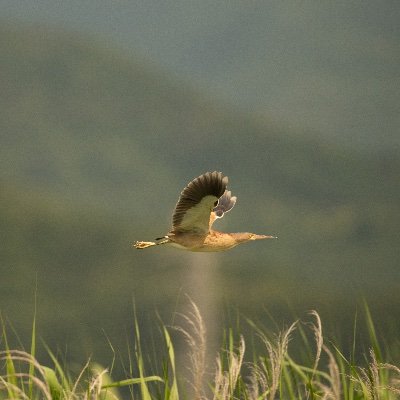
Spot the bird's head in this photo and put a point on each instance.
(246, 236)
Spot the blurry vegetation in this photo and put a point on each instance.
(94, 150)
(299, 362)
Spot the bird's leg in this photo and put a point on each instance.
(144, 245)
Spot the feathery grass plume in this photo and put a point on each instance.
(195, 336)
(24, 383)
(370, 380)
(331, 390)
(225, 382)
(268, 370)
(101, 384)
(319, 340)
(394, 383)
(376, 353)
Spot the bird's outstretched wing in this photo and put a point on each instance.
(197, 201)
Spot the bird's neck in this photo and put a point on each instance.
(236, 237)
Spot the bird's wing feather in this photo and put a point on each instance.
(196, 202)
(225, 204)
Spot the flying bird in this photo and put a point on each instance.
(203, 200)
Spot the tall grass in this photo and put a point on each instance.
(322, 372)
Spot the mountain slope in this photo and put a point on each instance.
(94, 151)
(331, 66)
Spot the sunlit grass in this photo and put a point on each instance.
(276, 370)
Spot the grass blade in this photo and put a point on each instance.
(10, 368)
(33, 352)
(173, 395)
(133, 381)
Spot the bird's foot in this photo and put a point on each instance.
(143, 245)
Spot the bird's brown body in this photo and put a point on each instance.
(203, 201)
(213, 241)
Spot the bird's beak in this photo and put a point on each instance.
(256, 237)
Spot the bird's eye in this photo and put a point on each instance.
(215, 203)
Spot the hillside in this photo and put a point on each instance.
(332, 66)
(94, 151)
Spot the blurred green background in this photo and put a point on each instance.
(108, 109)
